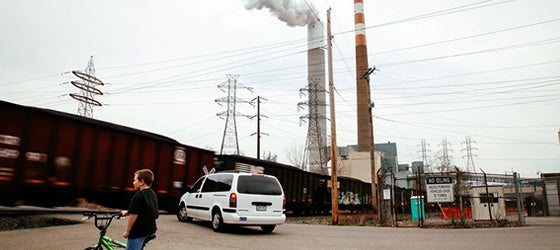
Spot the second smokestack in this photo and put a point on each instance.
(362, 80)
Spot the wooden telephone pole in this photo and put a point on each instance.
(334, 158)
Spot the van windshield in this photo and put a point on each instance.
(251, 184)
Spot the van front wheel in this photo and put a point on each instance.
(182, 214)
(217, 222)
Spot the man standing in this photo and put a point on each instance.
(142, 211)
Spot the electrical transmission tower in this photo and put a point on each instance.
(316, 142)
(230, 142)
(424, 152)
(469, 154)
(445, 161)
(87, 90)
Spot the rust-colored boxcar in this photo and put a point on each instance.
(51, 158)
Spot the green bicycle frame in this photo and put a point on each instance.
(111, 243)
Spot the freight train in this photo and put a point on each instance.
(306, 192)
(51, 158)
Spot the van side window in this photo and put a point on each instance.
(218, 183)
(196, 187)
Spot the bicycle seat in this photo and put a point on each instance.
(149, 238)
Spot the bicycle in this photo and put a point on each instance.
(102, 222)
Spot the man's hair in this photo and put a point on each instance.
(146, 175)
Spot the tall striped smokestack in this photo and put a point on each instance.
(362, 82)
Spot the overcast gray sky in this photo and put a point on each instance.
(452, 69)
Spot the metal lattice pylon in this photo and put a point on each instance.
(230, 141)
(87, 84)
(469, 154)
(85, 107)
(424, 155)
(316, 141)
(445, 158)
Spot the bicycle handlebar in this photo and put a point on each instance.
(103, 215)
(102, 219)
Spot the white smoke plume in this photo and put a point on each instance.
(292, 12)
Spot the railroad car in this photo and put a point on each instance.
(306, 192)
(50, 158)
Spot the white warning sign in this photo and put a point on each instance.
(439, 189)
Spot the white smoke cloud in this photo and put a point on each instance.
(292, 12)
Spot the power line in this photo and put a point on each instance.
(478, 107)
(512, 140)
(461, 8)
(464, 38)
(502, 89)
(516, 46)
(543, 79)
(476, 72)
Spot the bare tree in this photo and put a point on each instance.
(268, 156)
(295, 156)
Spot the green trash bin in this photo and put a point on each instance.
(417, 208)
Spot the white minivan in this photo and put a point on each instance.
(232, 198)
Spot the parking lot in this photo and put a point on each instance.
(541, 233)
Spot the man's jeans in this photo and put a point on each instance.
(135, 243)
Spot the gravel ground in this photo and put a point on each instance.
(22, 222)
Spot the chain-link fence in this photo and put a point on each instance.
(462, 197)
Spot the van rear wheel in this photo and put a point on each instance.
(268, 228)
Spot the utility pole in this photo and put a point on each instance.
(334, 158)
(374, 186)
(258, 133)
(259, 127)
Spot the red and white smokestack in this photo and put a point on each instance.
(362, 82)
(359, 23)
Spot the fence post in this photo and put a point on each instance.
(520, 214)
(458, 176)
(488, 197)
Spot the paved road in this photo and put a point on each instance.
(541, 233)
